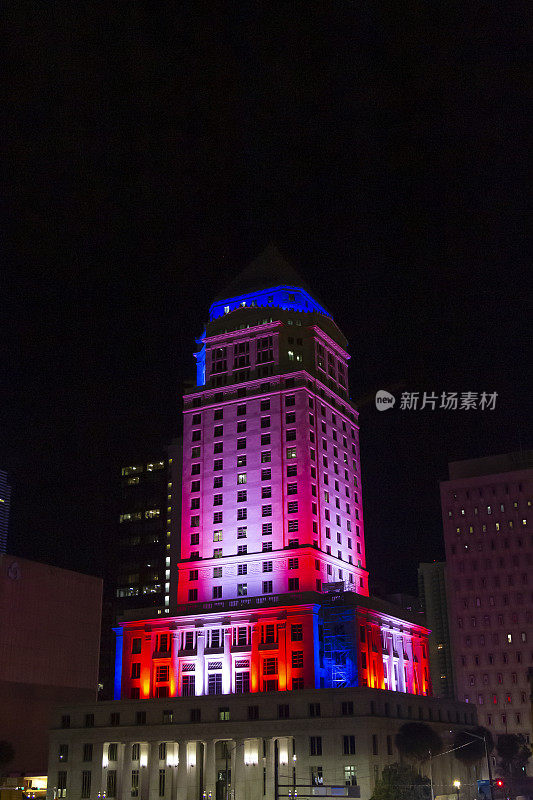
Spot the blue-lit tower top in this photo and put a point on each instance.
(268, 282)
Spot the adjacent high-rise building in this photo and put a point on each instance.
(5, 505)
(276, 660)
(487, 518)
(148, 540)
(433, 598)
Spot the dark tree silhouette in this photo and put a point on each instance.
(472, 749)
(416, 741)
(402, 782)
(513, 753)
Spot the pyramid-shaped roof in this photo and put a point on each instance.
(268, 270)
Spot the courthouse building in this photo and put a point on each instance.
(278, 672)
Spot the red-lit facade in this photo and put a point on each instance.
(272, 518)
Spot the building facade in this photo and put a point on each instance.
(148, 540)
(5, 505)
(433, 595)
(273, 620)
(328, 742)
(487, 518)
(49, 642)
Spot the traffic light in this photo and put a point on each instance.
(499, 783)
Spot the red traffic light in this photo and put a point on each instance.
(499, 783)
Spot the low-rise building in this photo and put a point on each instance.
(49, 645)
(247, 747)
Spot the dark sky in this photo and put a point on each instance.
(154, 149)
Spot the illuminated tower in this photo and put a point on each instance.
(272, 584)
(271, 489)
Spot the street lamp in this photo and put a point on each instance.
(457, 785)
(484, 740)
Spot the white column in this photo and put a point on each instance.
(153, 769)
(210, 776)
(226, 662)
(181, 772)
(201, 678)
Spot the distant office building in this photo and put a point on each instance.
(149, 516)
(434, 604)
(49, 644)
(5, 504)
(140, 581)
(487, 517)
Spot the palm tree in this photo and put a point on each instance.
(513, 752)
(417, 741)
(472, 745)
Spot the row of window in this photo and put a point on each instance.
(346, 708)
(290, 400)
(495, 699)
(491, 658)
(498, 526)
(495, 638)
(480, 547)
(289, 383)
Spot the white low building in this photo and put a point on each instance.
(327, 742)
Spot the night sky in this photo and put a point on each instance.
(153, 150)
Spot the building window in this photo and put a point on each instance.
(347, 708)
(315, 745)
(242, 569)
(297, 660)
(111, 783)
(135, 783)
(270, 665)
(267, 587)
(242, 549)
(267, 566)
(217, 592)
(291, 452)
(294, 584)
(214, 683)
(348, 745)
(242, 682)
(242, 589)
(86, 783)
(293, 563)
(314, 709)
